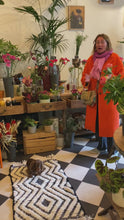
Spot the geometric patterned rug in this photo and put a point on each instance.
(47, 196)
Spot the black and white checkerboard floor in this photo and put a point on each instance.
(79, 165)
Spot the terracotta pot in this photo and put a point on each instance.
(118, 198)
(48, 128)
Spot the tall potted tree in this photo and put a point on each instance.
(50, 37)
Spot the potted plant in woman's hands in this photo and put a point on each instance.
(111, 180)
(30, 124)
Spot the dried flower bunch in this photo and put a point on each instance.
(8, 132)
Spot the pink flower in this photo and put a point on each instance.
(27, 81)
(102, 80)
(87, 78)
(84, 62)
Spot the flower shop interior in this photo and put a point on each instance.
(44, 46)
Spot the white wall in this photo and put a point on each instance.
(99, 18)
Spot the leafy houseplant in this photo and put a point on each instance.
(31, 124)
(115, 86)
(48, 125)
(111, 180)
(69, 132)
(44, 95)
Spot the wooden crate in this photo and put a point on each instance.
(15, 109)
(44, 107)
(75, 103)
(39, 142)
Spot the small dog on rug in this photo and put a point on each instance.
(34, 167)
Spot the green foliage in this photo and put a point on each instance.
(44, 96)
(115, 88)
(71, 124)
(79, 40)
(111, 180)
(50, 38)
(47, 122)
(8, 47)
(30, 122)
(2, 2)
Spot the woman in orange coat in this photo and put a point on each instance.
(101, 118)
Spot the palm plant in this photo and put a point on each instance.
(50, 37)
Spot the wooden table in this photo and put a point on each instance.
(119, 140)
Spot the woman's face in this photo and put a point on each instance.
(101, 45)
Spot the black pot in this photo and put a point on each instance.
(11, 153)
(68, 139)
(8, 85)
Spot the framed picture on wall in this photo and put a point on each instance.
(76, 15)
(106, 1)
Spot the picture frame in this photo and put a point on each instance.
(76, 17)
(106, 1)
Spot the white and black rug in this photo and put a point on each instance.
(48, 196)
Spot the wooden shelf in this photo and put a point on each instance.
(45, 107)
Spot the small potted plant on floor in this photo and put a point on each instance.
(48, 125)
(111, 180)
(30, 124)
(69, 131)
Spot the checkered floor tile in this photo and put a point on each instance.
(78, 163)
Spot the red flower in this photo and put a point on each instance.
(102, 80)
(7, 126)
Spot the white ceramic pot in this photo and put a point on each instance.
(118, 198)
(44, 100)
(32, 130)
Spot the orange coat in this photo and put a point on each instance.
(107, 113)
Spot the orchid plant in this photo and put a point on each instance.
(8, 132)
